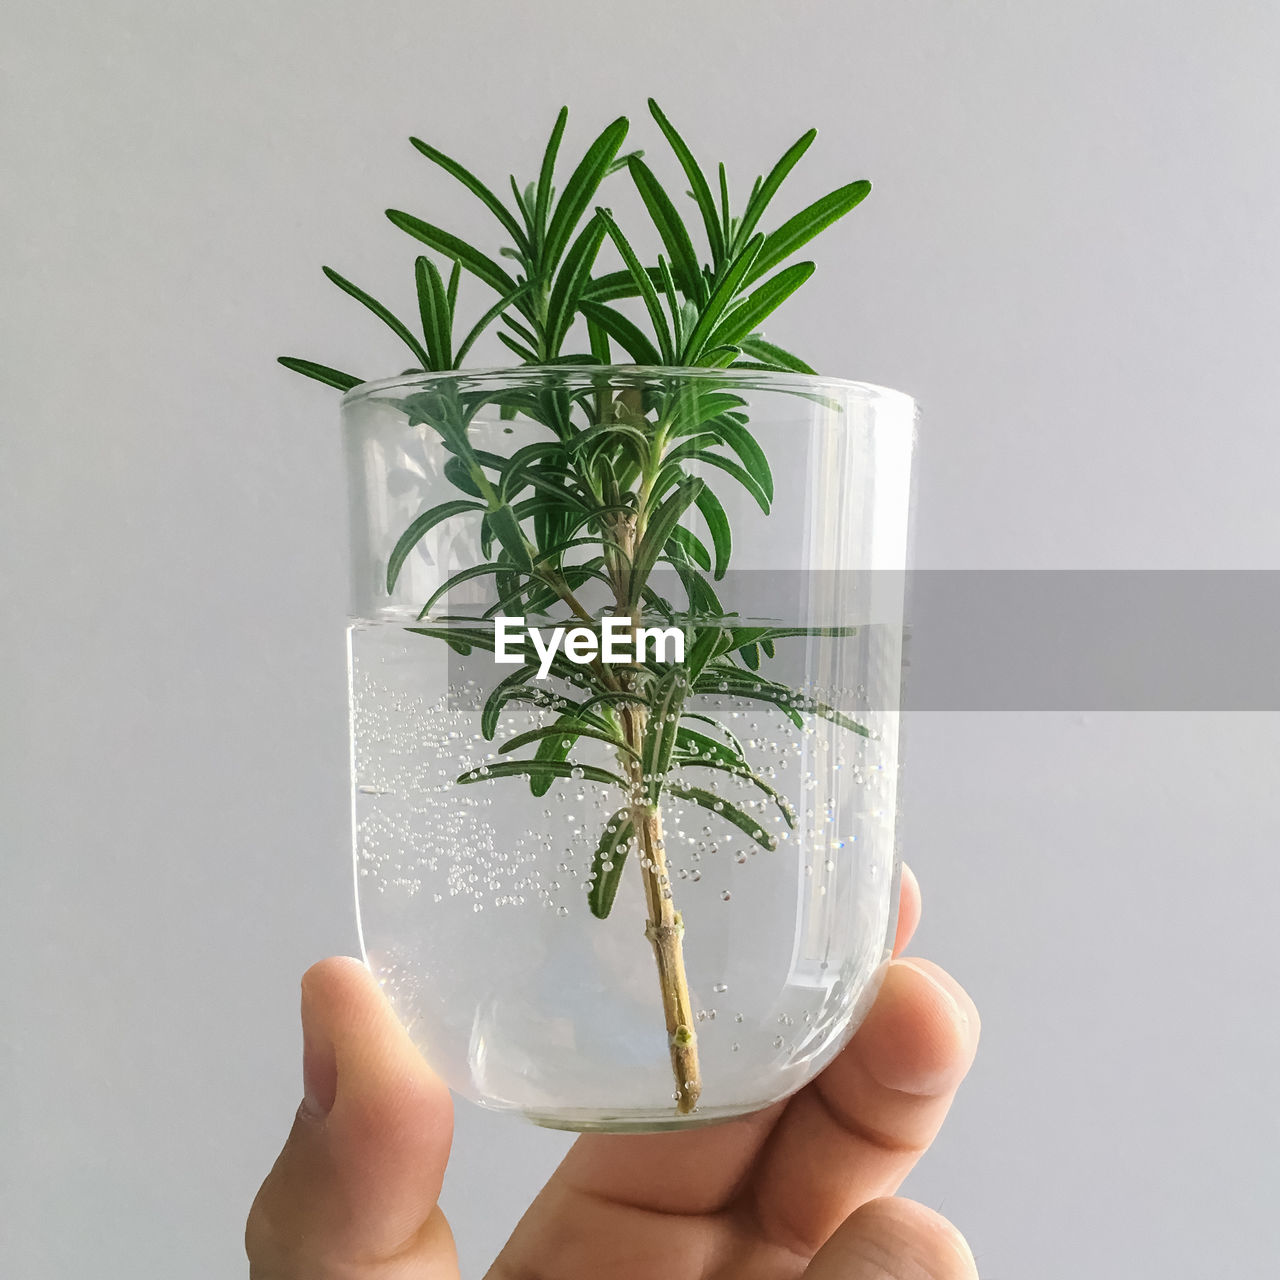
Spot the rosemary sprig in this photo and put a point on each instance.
(613, 478)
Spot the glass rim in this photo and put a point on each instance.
(751, 379)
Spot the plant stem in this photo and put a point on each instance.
(664, 927)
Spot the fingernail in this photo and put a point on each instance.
(319, 1067)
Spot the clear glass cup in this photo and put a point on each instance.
(627, 940)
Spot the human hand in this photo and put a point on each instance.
(801, 1189)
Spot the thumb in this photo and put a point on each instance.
(894, 1239)
(353, 1194)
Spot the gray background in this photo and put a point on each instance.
(1070, 258)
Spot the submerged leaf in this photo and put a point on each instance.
(606, 866)
(551, 769)
(729, 812)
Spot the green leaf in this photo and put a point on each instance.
(618, 433)
(700, 652)
(580, 190)
(599, 342)
(487, 319)
(556, 731)
(614, 285)
(506, 528)
(692, 546)
(644, 285)
(623, 331)
(671, 228)
(718, 526)
(739, 438)
(418, 529)
(552, 750)
(696, 404)
(477, 188)
(320, 372)
(480, 266)
(612, 697)
(397, 326)
(551, 482)
(747, 316)
(623, 161)
(458, 474)
(510, 688)
(546, 176)
(513, 476)
(666, 702)
(523, 332)
(721, 357)
(726, 218)
(806, 224)
(726, 764)
(727, 465)
(837, 717)
(716, 305)
(527, 356)
(615, 841)
(743, 684)
(433, 307)
(729, 812)
(689, 448)
(551, 769)
(729, 736)
(703, 601)
(676, 308)
(663, 521)
(573, 275)
(765, 192)
(694, 745)
(768, 353)
(451, 292)
(523, 204)
(697, 181)
(467, 574)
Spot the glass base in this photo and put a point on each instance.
(639, 1121)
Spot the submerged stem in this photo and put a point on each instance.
(664, 928)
